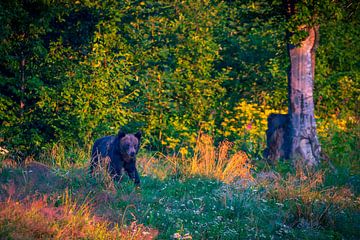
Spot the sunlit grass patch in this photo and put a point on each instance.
(65, 156)
(215, 162)
(44, 218)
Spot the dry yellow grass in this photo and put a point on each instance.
(307, 185)
(207, 160)
(215, 162)
(102, 175)
(158, 165)
(306, 193)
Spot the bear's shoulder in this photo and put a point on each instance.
(105, 140)
(105, 144)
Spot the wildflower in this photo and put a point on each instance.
(177, 236)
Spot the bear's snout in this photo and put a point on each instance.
(132, 153)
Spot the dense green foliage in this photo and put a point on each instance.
(171, 68)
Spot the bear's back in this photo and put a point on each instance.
(103, 145)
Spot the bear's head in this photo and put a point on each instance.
(129, 145)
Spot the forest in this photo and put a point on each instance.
(199, 79)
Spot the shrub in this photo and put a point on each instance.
(246, 124)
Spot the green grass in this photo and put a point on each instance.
(195, 206)
(179, 199)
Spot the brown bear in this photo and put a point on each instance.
(121, 150)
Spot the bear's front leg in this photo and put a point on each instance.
(136, 177)
(132, 172)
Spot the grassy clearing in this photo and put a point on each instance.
(209, 196)
(203, 208)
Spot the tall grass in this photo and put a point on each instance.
(159, 166)
(311, 204)
(102, 176)
(216, 162)
(207, 160)
(64, 156)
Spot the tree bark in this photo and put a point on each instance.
(294, 135)
(304, 141)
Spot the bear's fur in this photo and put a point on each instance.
(121, 151)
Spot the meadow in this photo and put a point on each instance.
(214, 194)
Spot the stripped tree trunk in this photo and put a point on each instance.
(294, 135)
(304, 141)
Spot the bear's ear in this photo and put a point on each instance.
(121, 134)
(138, 135)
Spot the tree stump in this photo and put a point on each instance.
(278, 138)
